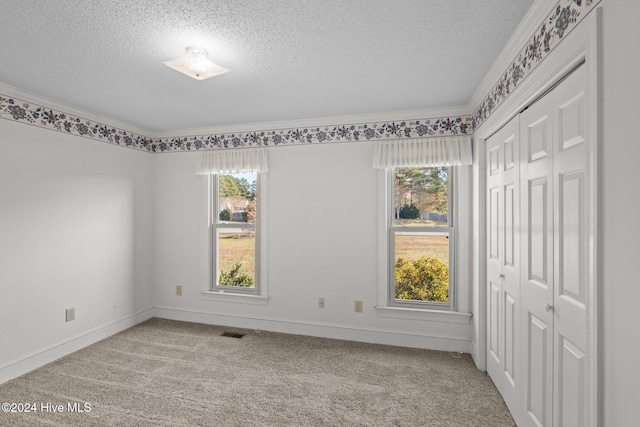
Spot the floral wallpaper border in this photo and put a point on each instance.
(563, 18)
(30, 113)
(314, 135)
(12, 108)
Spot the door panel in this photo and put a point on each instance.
(510, 147)
(571, 242)
(510, 139)
(494, 223)
(510, 347)
(503, 273)
(509, 225)
(494, 159)
(538, 399)
(494, 259)
(538, 232)
(494, 322)
(538, 138)
(571, 122)
(571, 374)
(571, 250)
(537, 269)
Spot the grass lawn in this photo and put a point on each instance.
(240, 247)
(422, 222)
(415, 246)
(237, 247)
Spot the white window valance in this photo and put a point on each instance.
(232, 161)
(423, 152)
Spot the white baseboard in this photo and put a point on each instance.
(60, 349)
(474, 354)
(316, 329)
(40, 358)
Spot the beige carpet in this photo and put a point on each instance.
(167, 373)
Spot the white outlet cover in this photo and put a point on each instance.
(357, 306)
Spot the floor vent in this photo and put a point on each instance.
(231, 335)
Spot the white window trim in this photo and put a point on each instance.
(259, 294)
(458, 311)
(424, 305)
(424, 314)
(392, 229)
(227, 296)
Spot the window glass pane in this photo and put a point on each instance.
(422, 266)
(421, 196)
(237, 197)
(236, 257)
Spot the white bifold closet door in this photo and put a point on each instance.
(537, 341)
(503, 261)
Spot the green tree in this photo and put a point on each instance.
(409, 212)
(425, 188)
(424, 279)
(406, 182)
(225, 215)
(437, 185)
(232, 186)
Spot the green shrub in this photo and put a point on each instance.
(235, 278)
(424, 279)
(225, 215)
(409, 212)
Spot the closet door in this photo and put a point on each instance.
(536, 136)
(495, 359)
(571, 250)
(503, 274)
(555, 255)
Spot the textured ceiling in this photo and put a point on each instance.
(289, 59)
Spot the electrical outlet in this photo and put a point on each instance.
(70, 314)
(179, 290)
(357, 307)
(321, 303)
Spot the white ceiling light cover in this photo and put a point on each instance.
(195, 64)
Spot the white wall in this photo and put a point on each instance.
(322, 242)
(76, 224)
(620, 210)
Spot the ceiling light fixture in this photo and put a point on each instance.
(195, 64)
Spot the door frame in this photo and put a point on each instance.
(581, 45)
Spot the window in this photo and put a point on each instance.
(235, 232)
(424, 243)
(421, 237)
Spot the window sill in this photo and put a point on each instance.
(235, 297)
(424, 314)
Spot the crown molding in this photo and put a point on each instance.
(72, 110)
(29, 112)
